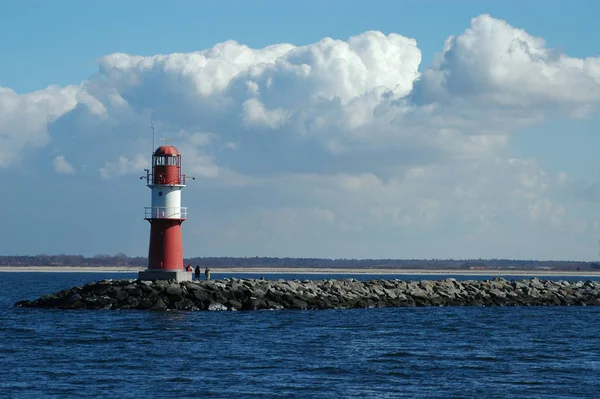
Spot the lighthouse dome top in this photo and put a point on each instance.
(166, 150)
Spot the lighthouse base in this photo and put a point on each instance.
(177, 275)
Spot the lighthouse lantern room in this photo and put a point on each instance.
(165, 252)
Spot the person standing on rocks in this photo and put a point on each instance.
(207, 273)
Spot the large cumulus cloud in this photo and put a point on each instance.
(495, 64)
(346, 139)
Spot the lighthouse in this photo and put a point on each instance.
(165, 252)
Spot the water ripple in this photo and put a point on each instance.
(375, 353)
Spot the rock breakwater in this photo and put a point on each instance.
(251, 294)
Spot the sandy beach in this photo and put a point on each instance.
(297, 270)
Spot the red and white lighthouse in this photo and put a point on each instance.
(165, 253)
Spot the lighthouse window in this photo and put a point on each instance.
(172, 161)
(159, 161)
(166, 160)
(160, 193)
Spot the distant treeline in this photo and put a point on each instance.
(124, 260)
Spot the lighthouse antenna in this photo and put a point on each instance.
(152, 127)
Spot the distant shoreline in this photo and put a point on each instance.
(301, 270)
(72, 269)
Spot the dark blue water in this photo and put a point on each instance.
(465, 352)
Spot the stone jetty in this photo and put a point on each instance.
(253, 294)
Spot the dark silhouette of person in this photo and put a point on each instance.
(197, 272)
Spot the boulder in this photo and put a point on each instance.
(234, 304)
(159, 305)
(249, 294)
(216, 306)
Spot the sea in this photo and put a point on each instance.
(425, 352)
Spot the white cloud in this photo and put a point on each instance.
(254, 113)
(199, 139)
(545, 210)
(344, 141)
(562, 178)
(493, 62)
(124, 166)
(197, 163)
(24, 118)
(61, 165)
(232, 145)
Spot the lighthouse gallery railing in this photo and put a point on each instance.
(172, 212)
(161, 179)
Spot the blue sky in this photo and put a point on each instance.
(67, 36)
(318, 187)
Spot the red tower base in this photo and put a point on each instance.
(165, 253)
(166, 249)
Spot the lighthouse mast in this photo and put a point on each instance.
(165, 252)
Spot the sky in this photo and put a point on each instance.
(338, 129)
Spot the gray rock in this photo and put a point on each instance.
(174, 289)
(233, 304)
(497, 293)
(159, 305)
(121, 295)
(274, 305)
(216, 306)
(535, 283)
(299, 304)
(145, 304)
(184, 304)
(418, 293)
(249, 294)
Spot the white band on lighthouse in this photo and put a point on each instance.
(166, 203)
